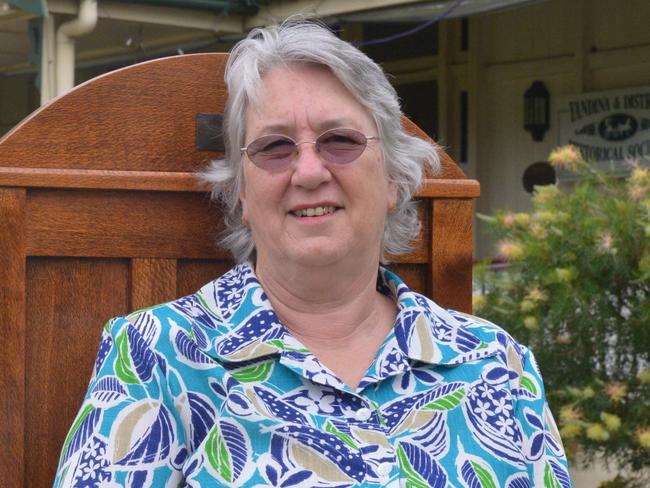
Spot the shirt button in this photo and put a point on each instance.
(384, 469)
(363, 414)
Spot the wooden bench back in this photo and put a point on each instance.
(100, 214)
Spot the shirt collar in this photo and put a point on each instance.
(233, 321)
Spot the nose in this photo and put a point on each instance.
(309, 170)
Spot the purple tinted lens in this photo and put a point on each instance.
(271, 152)
(341, 146)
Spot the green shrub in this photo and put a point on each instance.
(577, 290)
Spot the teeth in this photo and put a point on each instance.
(313, 211)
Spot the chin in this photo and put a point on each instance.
(318, 254)
(329, 254)
(315, 259)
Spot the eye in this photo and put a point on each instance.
(271, 146)
(278, 145)
(334, 139)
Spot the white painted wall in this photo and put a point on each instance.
(573, 46)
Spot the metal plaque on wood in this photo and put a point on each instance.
(209, 132)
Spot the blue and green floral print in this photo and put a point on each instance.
(212, 390)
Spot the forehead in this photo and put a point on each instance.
(304, 94)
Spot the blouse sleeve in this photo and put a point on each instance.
(546, 461)
(127, 431)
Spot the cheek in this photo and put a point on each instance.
(260, 194)
(388, 186)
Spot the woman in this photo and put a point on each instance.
(308, 364)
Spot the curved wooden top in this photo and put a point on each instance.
(134, 128)
(121, 131)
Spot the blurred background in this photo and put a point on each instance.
(499, 83)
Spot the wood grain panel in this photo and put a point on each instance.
(142, 117)
(68, 301)
(451, 253)
(152, 281)
(192, 274)
(121, 224)
(12, 335)
(456, 188)
(100, 179)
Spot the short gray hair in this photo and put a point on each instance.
(298, 41)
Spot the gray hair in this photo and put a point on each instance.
(306, 42)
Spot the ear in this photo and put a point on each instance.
(242, 201)
(392, 196)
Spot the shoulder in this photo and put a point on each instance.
(151, 321)
(197, 320)
(487, 331)
(516, 357)
(457, 322)
(470, 331)
(449, 336)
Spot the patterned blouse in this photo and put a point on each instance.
(212, 390)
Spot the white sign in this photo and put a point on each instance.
(608, 127)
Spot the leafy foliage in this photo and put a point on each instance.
(577, 290)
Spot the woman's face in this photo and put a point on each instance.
(302, 102)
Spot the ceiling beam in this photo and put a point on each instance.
(7, 12)
(179, 17)
(277, 11)
(35, 7)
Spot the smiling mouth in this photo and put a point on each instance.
(314, 211)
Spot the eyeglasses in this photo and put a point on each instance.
(338, 146)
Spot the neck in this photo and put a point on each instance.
(323, 306)
(335, 311)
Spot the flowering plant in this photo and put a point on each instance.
(577, 290)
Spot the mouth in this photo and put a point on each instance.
(314, 211)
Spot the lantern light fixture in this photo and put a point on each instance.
(536, 110)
